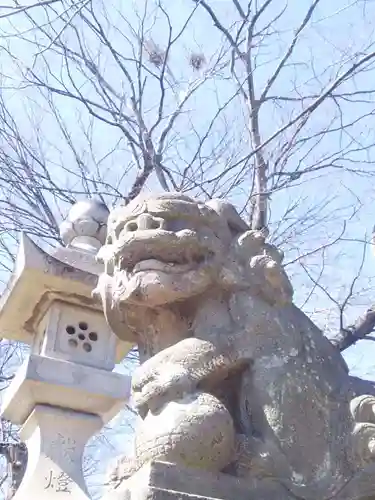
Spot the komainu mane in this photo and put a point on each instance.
(233, 376)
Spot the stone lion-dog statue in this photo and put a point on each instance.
(234, 378)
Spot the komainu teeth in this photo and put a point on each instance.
(188, 258)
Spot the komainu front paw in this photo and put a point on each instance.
(119, 472)
(363, 411)
(154, 388)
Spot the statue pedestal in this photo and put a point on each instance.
(166, 481)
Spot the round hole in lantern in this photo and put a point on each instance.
(87, 347)
(73, 343)
(70, 330)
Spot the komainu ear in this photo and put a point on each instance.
(230, 214)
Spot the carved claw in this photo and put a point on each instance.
(363, 411)
(173, 373)
(166, 383)
(122, 470)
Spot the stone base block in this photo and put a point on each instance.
(165, 481)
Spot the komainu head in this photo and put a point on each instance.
(169, 248)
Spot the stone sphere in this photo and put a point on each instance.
(86, 223)
(196, 431)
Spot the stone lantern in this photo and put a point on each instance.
(66, 391)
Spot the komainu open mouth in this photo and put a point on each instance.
(159, 264)
(162, 251)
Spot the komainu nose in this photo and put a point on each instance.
(145, 222)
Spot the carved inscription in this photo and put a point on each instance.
(58, 482)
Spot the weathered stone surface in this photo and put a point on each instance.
(86, 225)
(44, 380)
(210, 306)
(66, 390)
(38, 280)
(167, 481)
(55, 440)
